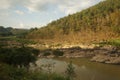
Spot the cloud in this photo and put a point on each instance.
(4, 14)
(36, 5)
(21, 25)
(65, 6)
(19, 12)
(45, 11)
(5, 4)
(71, 7)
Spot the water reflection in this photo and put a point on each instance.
(85, 70)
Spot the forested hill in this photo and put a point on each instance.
(99, 22)
(9, 31)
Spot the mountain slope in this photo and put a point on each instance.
(100, 22)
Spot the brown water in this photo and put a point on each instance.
(85, 70)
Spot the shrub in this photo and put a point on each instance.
(70, 71)
(58, 53)
(18, 56)
(46, 53)
(8, 72)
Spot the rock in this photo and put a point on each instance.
(100, 58)
(114, 60)
(106, 59)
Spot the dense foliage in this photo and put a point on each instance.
(9, 31)
(99, 22)
(16, 62)
(5, 31)
(15, 65)
(58, 53)
(10, 73)
(18, 56)
(115, 42)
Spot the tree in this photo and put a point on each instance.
(70, 71)
(21, 57)
(58, 53)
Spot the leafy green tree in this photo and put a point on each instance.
(21, 57)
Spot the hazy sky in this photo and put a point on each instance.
(36, 13)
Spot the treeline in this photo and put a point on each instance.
(5, 31)
(9, 31)
(99, 22)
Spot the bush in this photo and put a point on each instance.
(8, 72)
(46, 76)
(18, 56)
(46, 53)
(58, 53)
(70, 71)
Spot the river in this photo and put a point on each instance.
(85, 70)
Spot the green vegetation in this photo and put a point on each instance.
(12, 32)
(70, 71)
(21, 57)
(10, 73)
(54, 52)
(13, 41)
(15, 65)
(5, 31)
(15, 62)
(114, 42)
(97, 23)
(58, 53)
(46, 53)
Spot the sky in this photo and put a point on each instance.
(37, 13)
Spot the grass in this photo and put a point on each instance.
(8, 72)
(113, 42)
(19, 40)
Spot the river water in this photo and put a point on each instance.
(84, 69)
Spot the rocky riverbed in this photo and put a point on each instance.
(110, 55)
(106, 54)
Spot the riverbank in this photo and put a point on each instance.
(105, 54)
